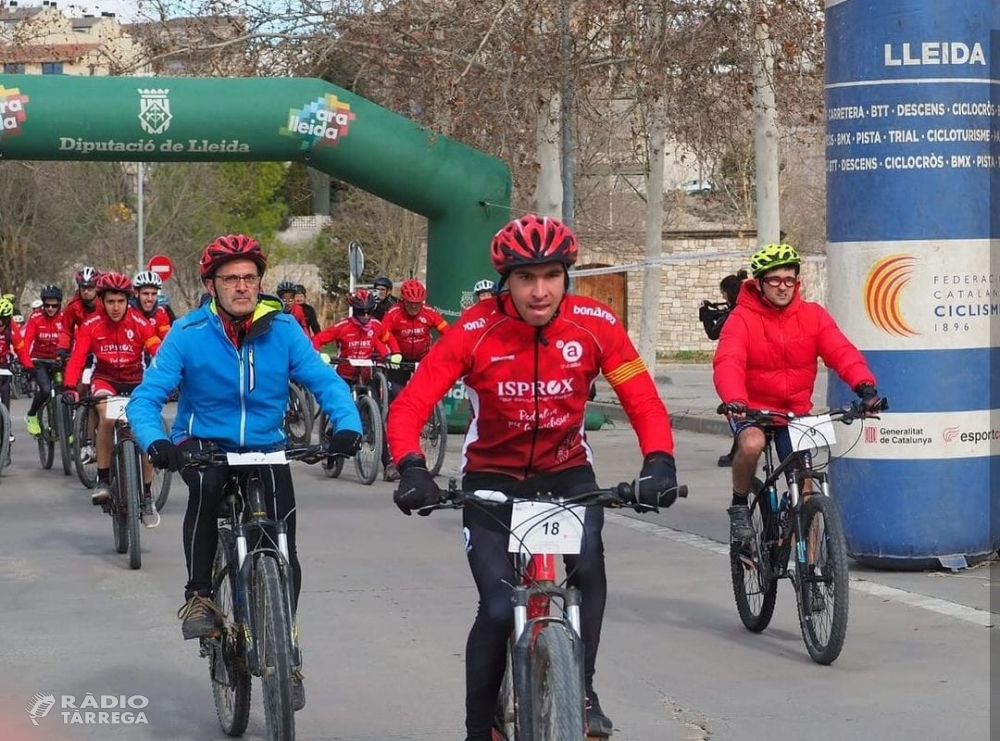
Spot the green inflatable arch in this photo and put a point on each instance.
(463, 192)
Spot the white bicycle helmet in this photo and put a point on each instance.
(485, 285)
(146, 278)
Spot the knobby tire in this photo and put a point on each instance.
(130, 462)
(46, 438)
(64, 431)
(86, 472)
(231, 681)
(556, 687)
(272, 630)
(756, 589)
(824, 630)
(368, 458)
(434, 439)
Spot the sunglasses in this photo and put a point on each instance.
(774, 281)
(51, 306)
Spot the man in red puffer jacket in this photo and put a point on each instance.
(767, 359)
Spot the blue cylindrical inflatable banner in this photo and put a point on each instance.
(913, 164)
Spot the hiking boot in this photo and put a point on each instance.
(740, 528)
(101, 494)
(598, 724)
(390, 473)
(31, 422)
(298, 691)
(201, 617)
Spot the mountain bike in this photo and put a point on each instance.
(298, 414)
(22, 382)
(434, 435)
(542, 695)
(369, 456)
(54, 419)
(85, 421)
(252, 584)
(5, 426)
(800, 525)
(127, 493)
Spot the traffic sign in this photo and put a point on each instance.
(162, 265)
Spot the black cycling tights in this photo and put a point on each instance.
(493, 571)
(200, 528)
(43, 378)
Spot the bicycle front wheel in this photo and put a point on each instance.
(434, 439)
(556, 687)
(331, 466)
(754, 585)
(505, 719)
(229, 673)
(46, 438)
(367, 459)
(64, 431)
(116, 508)
(85, 450)
(823, 581)
(272, 629)
(130, 483)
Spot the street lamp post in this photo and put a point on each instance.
(140, 228)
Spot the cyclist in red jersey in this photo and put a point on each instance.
(147, 285)
(117, 337)
(411, 322)
(11, 345)
(286, 292)
(80, 308)
(41, 338)
(528, 360)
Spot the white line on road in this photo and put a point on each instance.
(982, 618)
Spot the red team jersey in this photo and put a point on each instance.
(42, 335)
(118, 347)
(74, 315)
(413, 333)
(528, 387)
(358, 341)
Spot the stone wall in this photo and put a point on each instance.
(684, 286)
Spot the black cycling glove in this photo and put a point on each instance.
(657, 482)
(344, 442)
(416, 486)
(868, 394)
(164, 454)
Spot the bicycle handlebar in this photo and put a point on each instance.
(309, 454)
(846, 414)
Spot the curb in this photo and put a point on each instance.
(678, 420)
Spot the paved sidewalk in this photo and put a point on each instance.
(690, 396)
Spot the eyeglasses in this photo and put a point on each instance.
(51, 306)
(774, 281)
(230, 281)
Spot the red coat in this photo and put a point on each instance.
(357, 341)
(75, 314)
(41, 336)
(767, 355)
(117, 346)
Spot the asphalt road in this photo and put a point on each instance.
(387, 601)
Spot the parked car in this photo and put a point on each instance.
(692, 187)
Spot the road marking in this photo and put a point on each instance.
(982, 618)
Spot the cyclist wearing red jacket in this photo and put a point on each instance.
(359, 336)
(766, 359)
(528, 359)
(41, 338)
(147, 285)
(411, 322)
(11, 344)
(286, 292)
(80, 308)
(117, 337)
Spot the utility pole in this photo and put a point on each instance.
(567, 99)
(140, 263)
(765, 133)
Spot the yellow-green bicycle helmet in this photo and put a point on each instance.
(773, 256)
(6, 309)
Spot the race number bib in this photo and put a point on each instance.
(257, 458)
(544, 527)
(115, 408)
(812, 433)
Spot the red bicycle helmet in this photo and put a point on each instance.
(362, 299)
(231, 247)
(413, 290)
(114, 282)
(533, 240)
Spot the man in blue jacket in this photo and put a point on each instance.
(232, 360)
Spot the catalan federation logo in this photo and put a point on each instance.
(154, 110)
(883, 291)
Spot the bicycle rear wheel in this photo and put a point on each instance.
(367, 459)
(272, 629)
(116, 508)
(297, 418)
(130, 481)
(46, 438)
(434, 439)
(556, 687)
(754, 585)
(229, 673)
(64, 431)
(85, 450)
(823, 583)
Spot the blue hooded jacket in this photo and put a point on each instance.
(235, 397)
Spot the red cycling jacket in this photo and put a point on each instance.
(528, 388)
(358, 341)
(118, 347)
(159, 320)
(75, 314)
(413, 333)
(767, 355)
(42, 335)
(12, 343)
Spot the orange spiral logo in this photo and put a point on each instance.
(883, 290)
